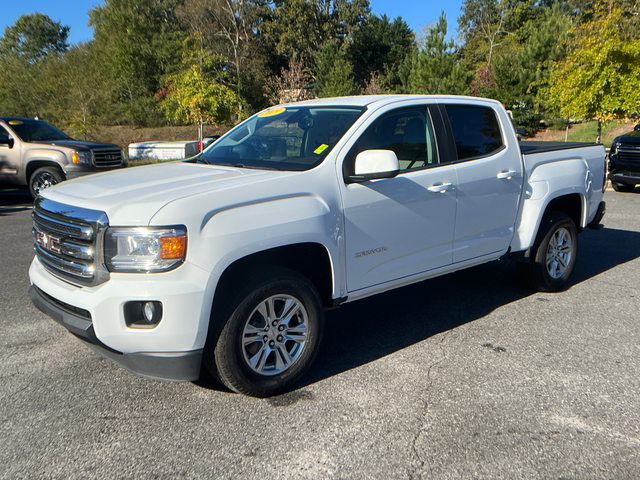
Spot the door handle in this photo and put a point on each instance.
(441, 188)
(506, 174)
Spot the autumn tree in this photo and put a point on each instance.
(294, 84)
(599, 77)
(231, 29)
(198, 94)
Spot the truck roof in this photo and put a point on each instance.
(380, 100)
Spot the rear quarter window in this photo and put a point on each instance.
(476, 130)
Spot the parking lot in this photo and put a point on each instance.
(463, 376)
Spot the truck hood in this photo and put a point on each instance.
(132, 196)
(79, 145)
(631, 138)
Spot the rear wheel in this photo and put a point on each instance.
(623, 187)
(271, 336)
(553, 255)
(43, 178)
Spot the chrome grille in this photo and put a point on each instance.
(629, 154)
(107, 158)
(68, 241)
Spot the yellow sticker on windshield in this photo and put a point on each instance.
(15, 122)
(272, 112)
(321, 149)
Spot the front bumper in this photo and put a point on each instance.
(172, 350)
(174, 366)
(626, 178)
(625, 169)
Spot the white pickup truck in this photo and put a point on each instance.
(228, 260)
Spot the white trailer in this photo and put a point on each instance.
(164, 151)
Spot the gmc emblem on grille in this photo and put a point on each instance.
(48, 242)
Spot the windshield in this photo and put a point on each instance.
(291, 138)
(36, 130)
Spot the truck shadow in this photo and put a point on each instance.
(369, 329)
(14, 201)
(366, 330)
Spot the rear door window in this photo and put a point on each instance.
(476, 130)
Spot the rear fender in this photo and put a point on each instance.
(548, 183)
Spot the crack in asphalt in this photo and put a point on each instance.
(425, 410)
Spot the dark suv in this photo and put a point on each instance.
(624, 161)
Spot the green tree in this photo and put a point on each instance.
(140, 42)
(300, 28)
(80, 89)
(334, 72)
(33, 37)
(380, 45)
(27, 51)
(599, 77)
(483, 27)
(436, 68)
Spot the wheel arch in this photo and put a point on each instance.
(311, 260)
(34, 165)
(572, 204)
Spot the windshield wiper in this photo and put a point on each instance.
(252, 167)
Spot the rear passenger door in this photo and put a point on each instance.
(489, 181)
(401, 226)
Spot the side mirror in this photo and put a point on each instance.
(375, 164)
(9, 142)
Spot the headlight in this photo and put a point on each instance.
(614, 148)
(145, 249)
(81, 157)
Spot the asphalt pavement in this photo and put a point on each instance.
(466, 376)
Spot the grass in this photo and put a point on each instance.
(587, 132)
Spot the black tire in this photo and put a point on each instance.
(246, 334)
(553, 255)
(623, 187)
(44, 177)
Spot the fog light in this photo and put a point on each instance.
(149, 311)
(142, 314)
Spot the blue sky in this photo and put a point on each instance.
(416, 13)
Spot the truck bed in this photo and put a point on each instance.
(528, 147)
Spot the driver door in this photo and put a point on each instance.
(402, 226)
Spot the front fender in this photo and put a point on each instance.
(226, 234)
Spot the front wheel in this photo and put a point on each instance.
(43, 178)
(271, 336)
(553, 255)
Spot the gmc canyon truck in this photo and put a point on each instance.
(228, 260)
(38, 155)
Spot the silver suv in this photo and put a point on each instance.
(34, 153)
